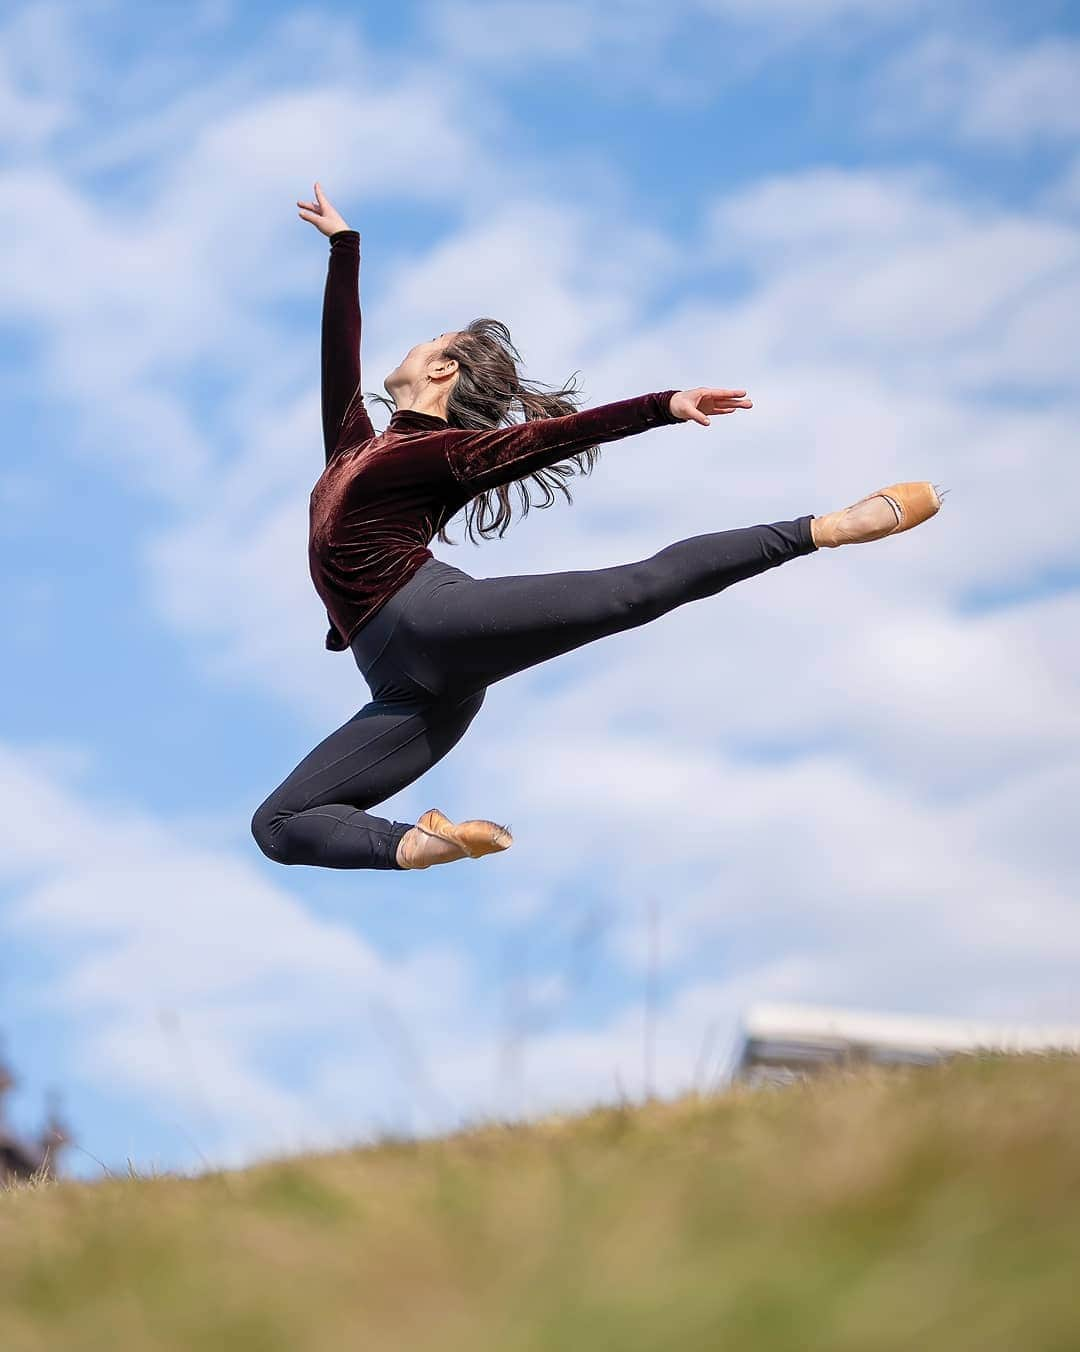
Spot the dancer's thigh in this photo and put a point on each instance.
(467, 632)
(472, 632)
(382, 748)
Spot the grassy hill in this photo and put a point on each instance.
(907, 1210)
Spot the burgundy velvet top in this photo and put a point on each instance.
(373, 513)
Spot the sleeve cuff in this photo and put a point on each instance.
(666, 414)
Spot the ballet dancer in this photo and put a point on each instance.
(428, 638)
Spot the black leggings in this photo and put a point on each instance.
(431, 651)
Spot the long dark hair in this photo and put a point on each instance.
(484, 395)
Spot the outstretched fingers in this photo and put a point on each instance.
(315, 206)
(717, 402)
(723, 401)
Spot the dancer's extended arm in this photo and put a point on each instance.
(481, 460)
(342, 399)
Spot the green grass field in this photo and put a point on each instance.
(918, 1209)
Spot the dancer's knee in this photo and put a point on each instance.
(645, 593)
(266, 827)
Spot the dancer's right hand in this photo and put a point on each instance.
(696, 405)
(322, 214)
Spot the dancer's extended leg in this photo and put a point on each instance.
(316, 815)
(467, 633)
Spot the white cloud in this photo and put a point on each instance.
(889, 269)
(1065, 193)
(1009, 96)
(137, 295)
(154, 932)
(39, 72)
(509, 37)
(512, 33)
(181, 969)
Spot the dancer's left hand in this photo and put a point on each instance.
(322, 214)
(696, 405)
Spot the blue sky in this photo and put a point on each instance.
(848, 782)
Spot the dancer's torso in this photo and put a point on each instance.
(373, 513)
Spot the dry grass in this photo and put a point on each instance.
(905, 1210)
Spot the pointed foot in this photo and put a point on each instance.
(435, 839)
(889, 511)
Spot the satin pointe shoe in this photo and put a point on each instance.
(435, 839)
(908, 505)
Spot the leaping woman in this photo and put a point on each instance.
(428, 638)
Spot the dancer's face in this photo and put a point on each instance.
(423, 363)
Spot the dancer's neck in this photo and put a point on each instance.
(431, 408)
(417, 419)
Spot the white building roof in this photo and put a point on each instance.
(812, 1023)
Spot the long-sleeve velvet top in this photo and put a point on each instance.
(373, 513)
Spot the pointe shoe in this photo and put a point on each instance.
(436, 831)
(911, 504)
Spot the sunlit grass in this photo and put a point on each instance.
(906, 1210)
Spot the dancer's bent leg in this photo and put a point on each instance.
(316, 815)
(467, 633)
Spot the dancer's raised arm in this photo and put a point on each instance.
(486, 459)
(341, 327)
